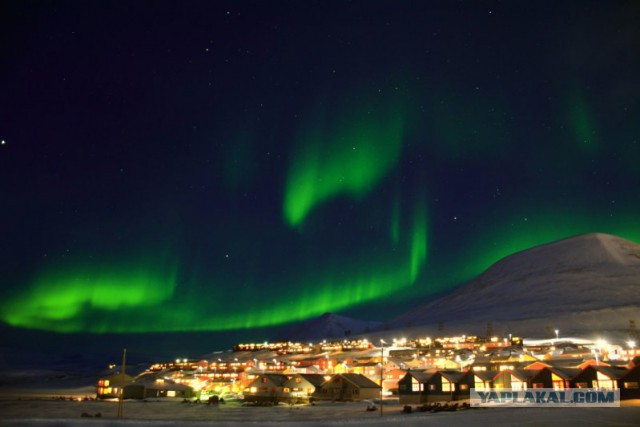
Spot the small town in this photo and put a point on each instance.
(414, 371)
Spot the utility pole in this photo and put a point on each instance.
(382, 343)
(122, 379)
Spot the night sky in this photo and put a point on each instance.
(209, 166)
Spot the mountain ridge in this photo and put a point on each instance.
(329, 325)
(588, 272)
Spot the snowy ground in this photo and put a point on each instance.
(44, 411)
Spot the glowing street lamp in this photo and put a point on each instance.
(557, 332)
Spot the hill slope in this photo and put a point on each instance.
(572, 283)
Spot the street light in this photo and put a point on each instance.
(557, 332)
(122, 380)
(382, 343)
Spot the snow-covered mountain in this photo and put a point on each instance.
(588, 282)
(328, 325)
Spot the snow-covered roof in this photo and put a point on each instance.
(358, 380)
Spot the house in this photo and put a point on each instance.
(629, 383)
(341, 368)
(483, 380)
(166, 388)
(458, 385)
(267, 388)
(565, 362)
(434, 386)
(633, 362)
(109, 387)
(151, 384)
(303, 387)
(371, 370)
(537, 366)
(391, 379)
(415, 364)
(323, 363)
(555, 378)
(349, 387)
(411, 387)
(503, 361)
(592, 362)
(515, 379)
(598, 377)
(390, 364)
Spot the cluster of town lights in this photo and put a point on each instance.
(360, 356)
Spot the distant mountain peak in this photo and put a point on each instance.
(328, 325)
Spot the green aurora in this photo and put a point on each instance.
(280, 161)
(342, 156)
(330, 161)
(581, 122)
(99, 300)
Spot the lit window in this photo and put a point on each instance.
(516, 384)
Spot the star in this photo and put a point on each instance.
(3, 142)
